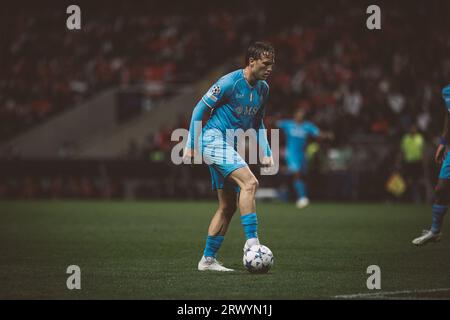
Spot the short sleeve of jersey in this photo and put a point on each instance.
(218, 93)
(312, 129)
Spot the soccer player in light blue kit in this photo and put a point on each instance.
(297, 132)
(235, 101)
(442, 189)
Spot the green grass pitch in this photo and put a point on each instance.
(150, 250)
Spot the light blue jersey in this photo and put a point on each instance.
(445, 169)
(446, 96)
(297, 135)
(234, 104)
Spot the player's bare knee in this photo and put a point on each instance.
(228, 210)
(256, 183)
(251, 185)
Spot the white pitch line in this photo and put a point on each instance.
(381, 294)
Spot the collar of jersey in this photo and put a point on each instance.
(248, 84)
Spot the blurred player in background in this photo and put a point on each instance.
(442, 188)
(235, 101)
(297, 132)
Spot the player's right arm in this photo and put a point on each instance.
(214, 97)
(194, 129)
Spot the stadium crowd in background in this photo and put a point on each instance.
(353, 82)
(46, 68)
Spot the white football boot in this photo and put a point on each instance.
(211, 263)
(302, 203)
(427, 236)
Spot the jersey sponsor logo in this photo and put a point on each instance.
(252, 110)
(246, 111)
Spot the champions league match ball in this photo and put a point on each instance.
(258, 259)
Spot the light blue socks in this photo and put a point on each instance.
(213, 244)
(300, 188)
(250, 224)
(438, 217)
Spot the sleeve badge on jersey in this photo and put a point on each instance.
(214, 92)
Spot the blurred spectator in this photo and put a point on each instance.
(412, 148)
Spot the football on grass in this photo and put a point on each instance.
(258, 259)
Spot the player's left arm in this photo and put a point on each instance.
(445, 133)
(443, 143)
(444, 140)
(267, 160)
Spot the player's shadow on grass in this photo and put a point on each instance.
(238, 272)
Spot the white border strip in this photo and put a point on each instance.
(382, 294)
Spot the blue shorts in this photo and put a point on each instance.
(296, 165)
(445, 168)
(222, 159)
